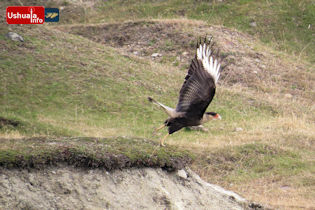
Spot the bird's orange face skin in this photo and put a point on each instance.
(217, 117)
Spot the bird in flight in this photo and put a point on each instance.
(196, 93)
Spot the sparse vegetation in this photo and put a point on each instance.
(71, 80)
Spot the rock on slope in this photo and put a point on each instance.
(146, 188)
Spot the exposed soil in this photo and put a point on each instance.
(143, 39)
(73, 188)
(88, 173)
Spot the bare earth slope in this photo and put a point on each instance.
(73, 188)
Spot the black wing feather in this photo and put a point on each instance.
(197, 91)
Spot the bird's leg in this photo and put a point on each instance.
(163, 139)
(159, 128)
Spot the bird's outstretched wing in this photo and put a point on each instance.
(200, 82)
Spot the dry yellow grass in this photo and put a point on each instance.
(85, 127)
(279, 194)
(12, 135)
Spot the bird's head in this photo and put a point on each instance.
(213, 116)
(210, 116)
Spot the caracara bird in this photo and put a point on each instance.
(196, 93)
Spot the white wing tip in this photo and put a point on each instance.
(211, 65)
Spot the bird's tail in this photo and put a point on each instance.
(170, 111)
(152, 100)
(158, 103)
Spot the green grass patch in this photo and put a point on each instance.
(52, 84)
(109, 153)
(250, 161)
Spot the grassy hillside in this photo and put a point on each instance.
(286, 25)
(75, 85)
(86, 80)
(67, 85)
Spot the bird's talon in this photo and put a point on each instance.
(162, 145)
(163, 139)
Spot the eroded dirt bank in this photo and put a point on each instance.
(147, 188)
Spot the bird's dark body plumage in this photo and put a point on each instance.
(175, 124)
